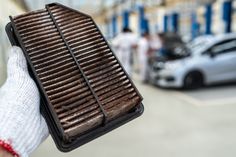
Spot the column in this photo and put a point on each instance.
(208, 19)
(175, 22)
(227, 15)
(165, 22)
(125, 17)
(194, 26)
(141, 19)
(114, 25)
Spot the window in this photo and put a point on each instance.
(224, 47)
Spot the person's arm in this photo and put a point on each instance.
(22, 128)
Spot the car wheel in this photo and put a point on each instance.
(193, 80)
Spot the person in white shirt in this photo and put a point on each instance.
(143, 52)
(124, 44)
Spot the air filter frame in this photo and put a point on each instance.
(51, 119)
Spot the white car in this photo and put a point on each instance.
(212, 62)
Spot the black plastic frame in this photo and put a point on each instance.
(56, 133)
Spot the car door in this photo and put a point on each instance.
(221, 64)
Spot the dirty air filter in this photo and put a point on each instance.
(85, 92)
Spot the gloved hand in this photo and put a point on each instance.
(22, 128)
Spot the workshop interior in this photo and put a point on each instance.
(132, 78)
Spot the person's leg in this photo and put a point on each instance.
(126, 62)
(127, 67)
(143, 70)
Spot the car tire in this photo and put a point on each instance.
(193, 80)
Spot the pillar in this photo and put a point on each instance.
(194, 26)
(142, 19)
(175, 22)
(227, 15)
(165, 22)
(208, 18)
(125, 17)
(114, 25)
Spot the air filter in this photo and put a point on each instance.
(85, 91)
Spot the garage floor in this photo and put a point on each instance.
(198, 123)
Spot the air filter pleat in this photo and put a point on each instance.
(30, 16)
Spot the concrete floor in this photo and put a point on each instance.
(175, 124)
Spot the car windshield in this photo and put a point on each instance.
(199, 43)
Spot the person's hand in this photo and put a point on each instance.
(5, 153)
(22, 128)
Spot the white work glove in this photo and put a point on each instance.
(22, 128)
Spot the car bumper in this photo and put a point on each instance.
(165, 78)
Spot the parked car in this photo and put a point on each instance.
(173, 48)
(213, 62)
